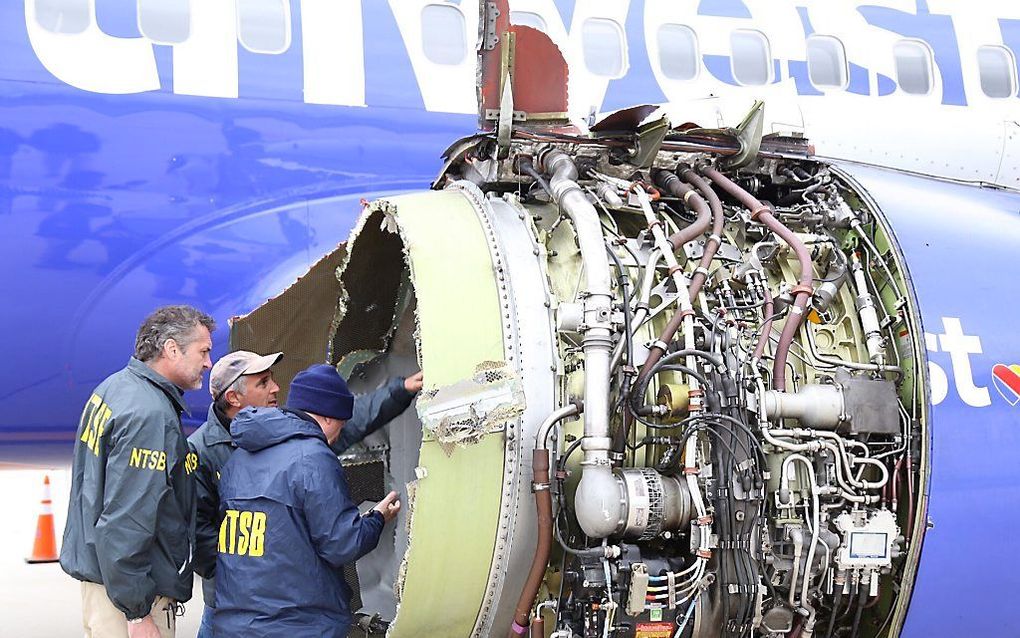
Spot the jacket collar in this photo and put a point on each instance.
(217, 431)
(176, 394)
(255, 429)
(301, 414)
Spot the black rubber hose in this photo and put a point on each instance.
(861, 598)
(835, 612)
(525, 166)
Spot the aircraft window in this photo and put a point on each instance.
(62, 16)
(603, 43)
(826, 59)
(752, 60)
(442, 33)
(263, 26)
(913, 66)
(998, 71)
(165, 21)
(678, 52)
(528, 19)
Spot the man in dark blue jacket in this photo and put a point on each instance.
(289, 524)
(244, 379)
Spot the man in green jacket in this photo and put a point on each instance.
(130, 530)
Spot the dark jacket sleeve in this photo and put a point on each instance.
(207, 495)
(372, 411)
(339, 533)
(136, 482)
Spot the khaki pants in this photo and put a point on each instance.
(102, 620)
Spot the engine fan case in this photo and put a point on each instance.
(485, 342)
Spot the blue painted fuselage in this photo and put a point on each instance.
(113, 205)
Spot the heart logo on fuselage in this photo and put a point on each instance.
(1007, 381)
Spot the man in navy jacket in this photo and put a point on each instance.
(289, 524)
(245, 379)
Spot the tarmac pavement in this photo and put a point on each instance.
(41, 601)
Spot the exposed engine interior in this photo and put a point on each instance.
(743, 347)
(672, 389)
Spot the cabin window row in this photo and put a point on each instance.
(604, 50)
(827, 65)
(264, 26)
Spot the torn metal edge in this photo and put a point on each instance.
(462, 413)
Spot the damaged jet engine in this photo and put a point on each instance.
(665, 396)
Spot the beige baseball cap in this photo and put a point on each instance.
(235, 365)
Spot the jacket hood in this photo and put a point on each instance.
(255, 429)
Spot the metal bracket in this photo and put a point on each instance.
(749, 134)
(524, 116)
(648, 141)
(506, 96)
(491, 38)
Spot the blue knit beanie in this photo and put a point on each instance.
(321, 390)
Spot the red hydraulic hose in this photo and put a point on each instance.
(543, 502)
(715, 239)
(671, 183)
(802, 291)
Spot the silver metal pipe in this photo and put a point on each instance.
(598, 501)
(816, 515)
(542, 440)
(814, 405)
(840, 363)
(868, 314)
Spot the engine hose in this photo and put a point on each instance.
(861, 599)
(766, 328)
(835, 612)
(671, 183)
(802, 291)
(715, 238)
(543, 503)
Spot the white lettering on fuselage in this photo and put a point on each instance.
(333, 48)
(959, 347)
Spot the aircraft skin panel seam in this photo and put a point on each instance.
(526, 307)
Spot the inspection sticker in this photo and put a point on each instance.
(654, 630)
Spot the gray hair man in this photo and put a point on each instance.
(241, 380)
(129, 536)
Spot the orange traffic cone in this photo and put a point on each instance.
(45, 548)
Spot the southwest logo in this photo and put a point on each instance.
(1007, 381)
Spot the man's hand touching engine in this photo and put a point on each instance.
(413, 383)
(388, 507)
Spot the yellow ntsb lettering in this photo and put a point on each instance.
(93, 423)
(190, 462)
(147, 459)
(243, 532)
